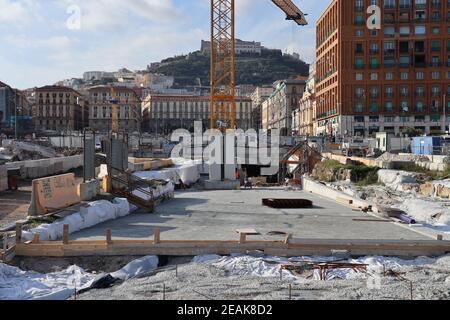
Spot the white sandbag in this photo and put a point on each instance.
(158, 192)
(137, 268)
(96, 213)
(16, 284)
(122, 207)
(188, 171)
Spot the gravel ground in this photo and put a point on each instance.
(207, 282)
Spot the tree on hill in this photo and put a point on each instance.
(257, 70)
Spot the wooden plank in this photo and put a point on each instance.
(157, 236)
(66, 234)
(288, 238)
(36, 238)
(288, 247)
(242, 238)
(19, 232)
(345, 201)
(249, 232)
(109, 236)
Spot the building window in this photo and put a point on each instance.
(404, 75)
(435, 75)
(389, 106)
(419, 106)
(389, 76)
(374, 76)
(359, 77)
(404, 106)
(420, 30)
(389, 92)
(420, 75)
(374, 107)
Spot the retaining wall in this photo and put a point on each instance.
(367, 162)
(33, 169)
(310, 185)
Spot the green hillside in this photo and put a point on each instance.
(250, 69)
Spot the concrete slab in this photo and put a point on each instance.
(215, 215)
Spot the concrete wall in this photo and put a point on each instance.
(3, 178)
(312, 186)
(367, 162)
(66, 141)
(436, 163)
(89, 190)
(33, 169)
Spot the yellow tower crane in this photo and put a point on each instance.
(223, 106)
(114, 114)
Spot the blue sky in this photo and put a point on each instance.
(38, 48)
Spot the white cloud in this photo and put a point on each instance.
(103, 15)
(13, 12)
(51, 43)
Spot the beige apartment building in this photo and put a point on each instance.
(305, 116)
(278, 109)
(163, 114)
(260, 95)
(100, 109)
(59, 109)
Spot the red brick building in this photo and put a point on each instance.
(373, 79)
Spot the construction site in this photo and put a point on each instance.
(120, 217)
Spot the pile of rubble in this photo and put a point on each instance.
(406, 157)
(22, 151)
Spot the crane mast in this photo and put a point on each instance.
(223, 105)
(223, 84)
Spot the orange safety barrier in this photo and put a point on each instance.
(53, 193)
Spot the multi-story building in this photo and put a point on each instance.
(304, 116)
(241, 47)
(260, 95)
(128, 106)
(277, 110)
(384, 77)
(8, 101)
(164, 113)
(59, 109)
(91, 76)
(154, 82)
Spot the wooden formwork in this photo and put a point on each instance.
(288, 247)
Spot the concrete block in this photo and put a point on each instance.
(43, 171)
(215, 172)
(230, 172)
(89, 190)
(3, 178)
